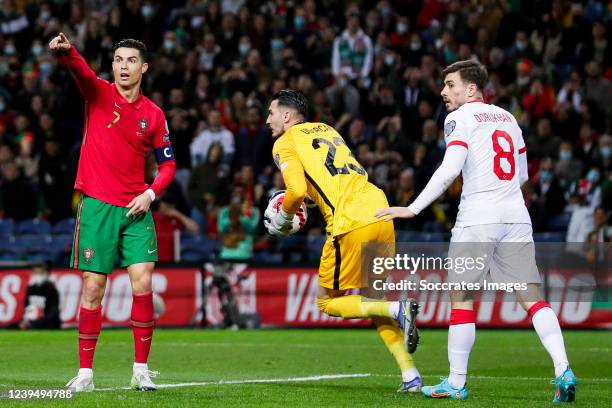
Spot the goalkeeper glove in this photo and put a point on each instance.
(278, 222)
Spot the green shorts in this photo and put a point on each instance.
(102, 229)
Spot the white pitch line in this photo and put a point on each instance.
(334, 377)
(251, 381)
(492, 377)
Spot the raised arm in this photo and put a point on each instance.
(84, 76)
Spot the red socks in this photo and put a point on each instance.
(90, 323)
(142, 326)
(536, 307)
(462, 316)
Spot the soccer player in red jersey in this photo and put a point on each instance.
(121, 127)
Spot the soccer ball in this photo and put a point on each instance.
(299, 218)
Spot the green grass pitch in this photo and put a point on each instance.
(307, 368)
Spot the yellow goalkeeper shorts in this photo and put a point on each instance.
(340, 266)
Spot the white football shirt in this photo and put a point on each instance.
(491, 191)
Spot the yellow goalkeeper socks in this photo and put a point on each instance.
(394, 340)
(353, 307)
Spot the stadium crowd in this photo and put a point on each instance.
(370, 68)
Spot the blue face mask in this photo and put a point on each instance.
(545, 176)
(46, 68)
(593, 176)
(606, 152)
(441, 144)
(565, 155)
(276, 44)
(10, 49)
(37, 49)
(299, 22)
(244, 48)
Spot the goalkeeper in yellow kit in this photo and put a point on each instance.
(315, 161)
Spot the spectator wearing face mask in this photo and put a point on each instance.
(401, 38)
(589, 187)
(567, 168)
(605, 153)
(550, 194)
(41, 309)
(588, 146)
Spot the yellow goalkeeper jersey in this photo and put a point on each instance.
(315, 160)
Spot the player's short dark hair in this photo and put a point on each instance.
(470, 71)
(294, 99)
(132, 43)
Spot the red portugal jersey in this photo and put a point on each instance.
(117, 138)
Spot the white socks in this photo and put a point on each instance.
(394, 309)
(546, 324)
(460, 341)
(85, 372)
(140, 366)
(410, 374)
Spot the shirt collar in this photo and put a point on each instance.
(122, 101)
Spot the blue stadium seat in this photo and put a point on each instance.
(315, 244)
(268, 257)
(549, 236)
(61, 247)
(9, 250)
(7, 242)
(8, 256)
(195, 248)
(559, 223)
(193, 255)
(39, 256)
(65, 226)
(61, 240)
(33, 242)
(33, 226)
(405, 236)
(433, 226)
(433, 237)
(293, 243)
(7, 227)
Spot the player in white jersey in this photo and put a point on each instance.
(485, 144)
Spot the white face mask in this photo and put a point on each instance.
(147, 11)
(37, 279)
(522, 80)
(244, 48)
(10, 49)
(402, 28)
(389, 59)
(37, 49)
(169, 44)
